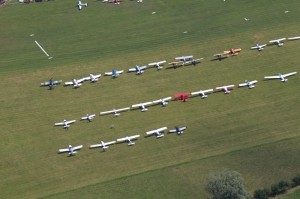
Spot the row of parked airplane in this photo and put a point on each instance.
(179, 61)
(129, 139)
(164, 101)
(80, 5)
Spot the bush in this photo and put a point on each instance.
(274, 190)
(261, 194)
(296, 180)
(283, 186)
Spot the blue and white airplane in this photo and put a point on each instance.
(70, 150)
(138, 69)
(114, 73)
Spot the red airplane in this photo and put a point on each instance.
(232, 51)
(182, 96)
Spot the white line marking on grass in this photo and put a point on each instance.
(43, 50)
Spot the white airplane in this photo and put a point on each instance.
(157, 64)
(281, 76)
(128, 139)
(293, 38)
(225, 88)
(157, 132)
(178, 130)
(163, 101)
(202, 93)
(88, 117)
(103, 145)
(93, 78)
(138, 69)
(65, 123)
(114, 73)
(259, 47)
(249, 84)
(142, 106)
(71, 150)
(278, 42)
(80, 4)
(51, 83)
(115, 111)
(184, 58)
(75, 83)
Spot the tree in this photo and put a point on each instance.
(226, 184)
(261, 194)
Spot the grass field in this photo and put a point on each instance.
(255, 132)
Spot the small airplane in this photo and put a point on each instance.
(178, 130)
(278, 42)
(71, 150)
(202, 93)
(88, 117)
(232, 51)
(157, 132)
(80, 5)
(157, 64)
(281, 76)
(103, 145)
(259, 47)
(175, 64)
(225, 88)
(65, 123)
(138, 69)
(249, 84)
(183, 96)
(92, 78)
(142, 106)
(128, 139)
(114, 73)
(163, 101)
(193, 62)
(51, 83)
(293, 38)
(115, 111)
(75, 83)
(116, 2)
(220, 57)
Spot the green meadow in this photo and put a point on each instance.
(253, 131)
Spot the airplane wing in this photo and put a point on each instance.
(45, 84)
(151, 132)
(253, 82)
(272, 77)
(162, 129)
(77, 147)
(123, 109)
(107, 112)
(160, 100)
(222, 87)
(92, 115)
(68, 83)
(131, 69)
(82, 79)
(119, 71)
(243, 84)
(95, 146)
(59, 124)
(122, 139)
(182, 128)
(108, 73)
(143, 67)
(184, 57)
(63, 150)
(57, 81)
(70, 122)
(289, 74)
(134, 136)
(110, 143)
(293, 38)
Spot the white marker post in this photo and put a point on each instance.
(42, 49)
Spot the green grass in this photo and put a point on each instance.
(239, 131)
(293, 195)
